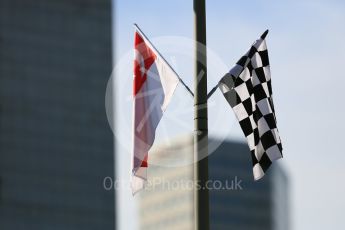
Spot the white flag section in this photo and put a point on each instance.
(153, 86)
(247, 88)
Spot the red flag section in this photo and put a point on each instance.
(143, 61)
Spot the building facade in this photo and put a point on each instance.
(236, 201)
(55, 143)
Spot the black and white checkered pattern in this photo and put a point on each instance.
(247, 88)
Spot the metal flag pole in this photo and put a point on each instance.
(201, 199)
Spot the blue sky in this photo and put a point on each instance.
(307, 56)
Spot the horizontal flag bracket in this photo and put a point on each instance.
(200, 118)
(201, 105)
(201, 130)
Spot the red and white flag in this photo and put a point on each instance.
(154, 84)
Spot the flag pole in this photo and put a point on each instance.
(201, 198)
(166, 62)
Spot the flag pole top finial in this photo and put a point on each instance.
(263, 36)
(136, 26)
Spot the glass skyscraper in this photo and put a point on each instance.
(55, 143)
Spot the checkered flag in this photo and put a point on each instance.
(247, 88)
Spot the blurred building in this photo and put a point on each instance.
(167, 202)
(164, 204)
(55, 143)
